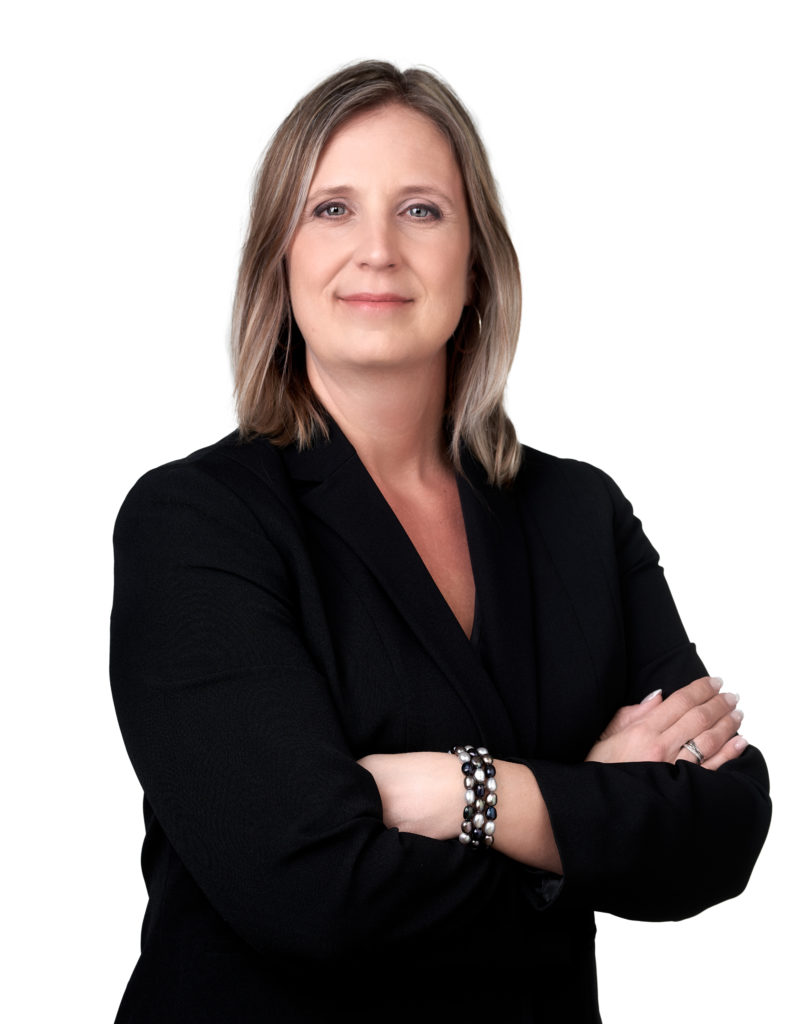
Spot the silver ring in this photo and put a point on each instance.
(693, 748)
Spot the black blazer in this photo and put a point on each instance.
(272, 623)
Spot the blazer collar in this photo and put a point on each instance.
(322, 459)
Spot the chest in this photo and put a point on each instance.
(405, 676)
(436, 530)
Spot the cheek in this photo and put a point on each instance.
(311, 266)
(454, 266)
(456, 281)
(296, 262)
(298, 293)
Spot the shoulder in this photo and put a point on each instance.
(229, 477)
(578, 505)
(547, 478)
(229, 458)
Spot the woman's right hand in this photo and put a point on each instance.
(656, 729)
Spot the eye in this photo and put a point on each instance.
(330, 210)
(421, 211)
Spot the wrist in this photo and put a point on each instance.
(438, 801)
(479, 815)
(418, 791)
(524, 831)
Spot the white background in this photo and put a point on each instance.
(650, 160)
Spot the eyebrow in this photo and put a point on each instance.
(349, 190)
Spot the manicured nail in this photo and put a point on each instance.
(731, 699)
(740, 744)
(650, 696)
(737, 716)
(716, 682)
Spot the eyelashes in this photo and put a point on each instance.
(423, 211)
(336, 210)
(330, 210)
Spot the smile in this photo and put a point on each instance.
(374, 302)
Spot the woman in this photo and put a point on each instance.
(310, 613)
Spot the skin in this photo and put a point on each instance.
(386, 216)
(379, 267)
(379, 272)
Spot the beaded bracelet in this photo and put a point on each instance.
(480, 811)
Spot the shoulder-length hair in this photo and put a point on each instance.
(274, 396)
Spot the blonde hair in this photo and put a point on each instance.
(274, 396)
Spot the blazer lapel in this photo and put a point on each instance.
(503, 583)
(334, 486)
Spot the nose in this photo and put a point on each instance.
(376, 244)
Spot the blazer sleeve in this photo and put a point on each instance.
(231, 728)
(652, 841)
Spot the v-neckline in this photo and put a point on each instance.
(336, 488)
(468, 634)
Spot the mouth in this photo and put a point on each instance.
(375, 300)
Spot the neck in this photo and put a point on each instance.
(393, 418)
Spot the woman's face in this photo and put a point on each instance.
(379, 267)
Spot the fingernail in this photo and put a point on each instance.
(738, 716)
(716, 682)
(650, 696)
(740, 744)
(731, 699)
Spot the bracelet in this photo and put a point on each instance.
(480, 812)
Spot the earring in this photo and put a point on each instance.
(460, 349)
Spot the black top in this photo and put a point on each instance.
(272, 623)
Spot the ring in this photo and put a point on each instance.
(693, 748)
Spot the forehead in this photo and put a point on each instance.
(389, 139)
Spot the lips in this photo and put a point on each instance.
(379, 299)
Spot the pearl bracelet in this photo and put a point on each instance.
(480, 811)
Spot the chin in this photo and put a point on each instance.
(373, 352)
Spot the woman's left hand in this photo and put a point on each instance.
(420, 792)
(655, 730)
